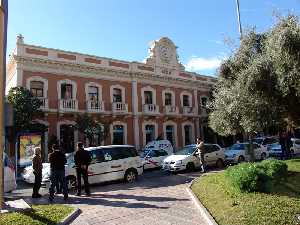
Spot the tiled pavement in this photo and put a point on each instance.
(156, 198)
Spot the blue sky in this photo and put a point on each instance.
(122, 29)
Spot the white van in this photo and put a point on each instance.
(9, 174)
(155, 152)
(112, 162)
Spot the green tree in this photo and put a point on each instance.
(259, 85)
(92, 128)
(25, 105)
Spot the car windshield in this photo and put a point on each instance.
(186, 151)
(237, 147)
(145, 153)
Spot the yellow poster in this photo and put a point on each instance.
(27, 144)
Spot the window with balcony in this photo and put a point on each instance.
(150, 133)
(148, 97)
(188, 134)
(186, 100)
(118, 135)
(66, 91)
(93, 93)
(168, 99)
(37, 88)
(170, 133)
(117, 95)
(204, 101)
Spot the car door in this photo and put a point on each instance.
(209, 155)
(153, 159)
(297, 147)
(116, 157)
(162, 154)
(99, 168)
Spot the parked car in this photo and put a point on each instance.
(275, 150)
(186, 158)
(239, 152)
(9, 174)
(155, 152)
(266, 141)
(295, 149)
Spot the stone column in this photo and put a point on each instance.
(136, 129)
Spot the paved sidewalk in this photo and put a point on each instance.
(154, 199)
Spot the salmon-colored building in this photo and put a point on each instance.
(143, 100)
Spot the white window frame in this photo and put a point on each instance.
(183, 133)
(67, 81)
(171, 123)
(125, 137)
(164, 92)
(144, 124)
(190, 98)
(38, 78)
(148, 88)
(117, 86)
(89, 84)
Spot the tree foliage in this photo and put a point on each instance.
(259, 85)
(92, 128)
(25, 105)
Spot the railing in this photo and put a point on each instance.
(119, 107)
(68, 105)
(188, 110)
(150, 109)
(170, 110)
(95, 106)
(44, 103)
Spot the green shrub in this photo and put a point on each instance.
(249, 177)
(277, 170)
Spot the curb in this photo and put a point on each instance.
(203, 211)
(70, 217)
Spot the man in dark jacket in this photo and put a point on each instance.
(82, 160)
(37, 167)
(57, 161)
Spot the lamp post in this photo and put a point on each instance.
(239, 18)
(3, 37)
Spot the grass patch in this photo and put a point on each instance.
(41, 214)
(229, 207)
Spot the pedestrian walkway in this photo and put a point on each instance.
(157, 200)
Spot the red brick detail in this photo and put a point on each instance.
(117, 64)
(146, 68)
(36, 52)
(185, 75)
(91, 60)
(66, 56)
(201, 78)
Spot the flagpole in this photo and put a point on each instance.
(3, 38)
(239, 18)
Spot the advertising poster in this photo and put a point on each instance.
(27, 144)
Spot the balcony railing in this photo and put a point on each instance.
(151, 109)
(68, 105)
(170, 110)
(44, 105)
(119, 107)
(188, 110)
(95, 106)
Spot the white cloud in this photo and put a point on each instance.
(199, 63)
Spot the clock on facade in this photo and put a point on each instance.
(165, 53)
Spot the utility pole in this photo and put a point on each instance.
(3, 38)
(239, 18)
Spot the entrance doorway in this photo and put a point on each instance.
(67, 138)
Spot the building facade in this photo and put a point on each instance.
(142, 101)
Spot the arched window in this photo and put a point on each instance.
(117, 95)
(187, 134)
(118, 135)
(150, 133)
(170, 134)
(37, 88)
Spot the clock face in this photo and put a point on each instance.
(165, 53)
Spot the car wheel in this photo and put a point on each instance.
(241, 159)
(263, 156)
(190, 167)
(71, 182)
(220, 163)
(130, 176)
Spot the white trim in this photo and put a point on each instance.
(173, 96)
(148, 88)
(38, 78)
(144, 127)
(66, 122)
(124, 134)
(67, 81)
(87, 85)
(190, 98)
(171, 123)
(118, 87)
(192, 133)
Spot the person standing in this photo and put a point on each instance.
(82, 160)
(37, 167)
(57, 161)
(200, 153)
